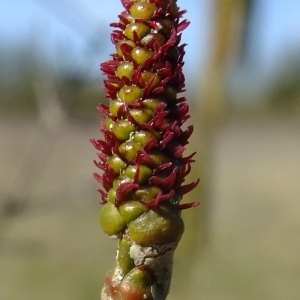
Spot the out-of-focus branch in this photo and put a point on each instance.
(51, 121)
(228, 40)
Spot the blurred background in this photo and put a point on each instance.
(243, 84)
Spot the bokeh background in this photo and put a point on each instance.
(243, 85)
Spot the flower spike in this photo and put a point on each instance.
(141, 154)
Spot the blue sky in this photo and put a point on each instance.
(72, 27)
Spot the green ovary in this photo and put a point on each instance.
(144, 173)
(140, 55)
(114, 107)
(143, 137)
(140, 29)
(116, 163)
(159, 39)
(150, 76)
(125, 69)
(141, 116)
(120, 43)
(144, 10)
(122, 129)
(129, 149)
(130, 93)
(152, 103)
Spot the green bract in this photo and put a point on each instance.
(111, 221)
(125, 261)
(131, 210)
(136, 285)
(157, 227)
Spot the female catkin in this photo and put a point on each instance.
(141, 154)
